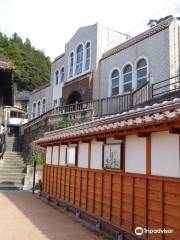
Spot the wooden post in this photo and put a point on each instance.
(102, 194)
(120, 203)
(148, 155)
(132, 205)
(89, 155)
(110, 199)
(162, 207)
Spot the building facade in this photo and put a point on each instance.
(99, 62)
(120, 172)
(40, 101)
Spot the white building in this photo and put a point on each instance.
(99, 62)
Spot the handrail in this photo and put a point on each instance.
(2, 144)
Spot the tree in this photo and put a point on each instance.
(31, 66)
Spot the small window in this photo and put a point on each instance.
(112, 156)
(127, 78)
(115, 83)
(79, 59)
(71, 65)
(57, 77)
(87, 63)
(43, 106)
(62, 74)
(39, 108)
(55, 103)
(141, 72)
(60, 101)
(34, 110)
(71, 155)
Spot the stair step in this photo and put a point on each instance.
(6, 173)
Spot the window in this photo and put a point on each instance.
(60, 101)
(44, 106)
(71, 156)
(112, 156)
(141, 72)
(62, 74)
(71, 65)
(127, 78)
(115, 83)
(79, 59)
(55, 103)
(57, 77)
(87, 63)
(34, 110)
(39, 108)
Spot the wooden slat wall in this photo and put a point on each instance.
(125, 200)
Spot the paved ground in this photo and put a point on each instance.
(25, 217)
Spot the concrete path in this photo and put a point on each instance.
(25, 217)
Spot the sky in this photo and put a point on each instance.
(49, 24)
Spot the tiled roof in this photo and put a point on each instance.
(148, 115)
(5, 65)
(24, 95)
(165, 24)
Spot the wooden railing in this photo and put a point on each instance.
(122, 199)
(100, 107)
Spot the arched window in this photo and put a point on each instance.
(34, 110)
(44, 106)
(79, 59)
(57, 77)
(71, 64)
(115, 83)
(39, 108)
(141, 72)
(88, 54)
(62, 74)
(127, 78)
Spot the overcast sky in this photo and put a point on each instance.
(49, 24)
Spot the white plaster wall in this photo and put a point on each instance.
(165, 154)
(83, 155)
(37, 95)
(96, 155)
(57, 89)
(48, 155)
(155, 48)
(135, 154)
(55, 157)
(63, 155)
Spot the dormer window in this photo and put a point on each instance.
(79, 59)
(88, 53)
(71, 65)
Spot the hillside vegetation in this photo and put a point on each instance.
(31, 66)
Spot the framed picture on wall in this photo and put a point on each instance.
(112, 156)
(71, 155)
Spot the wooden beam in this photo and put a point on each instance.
(86, 141)
(100, 139)
(148, 155)
(174, 130)
(118, 137)
(143, 134)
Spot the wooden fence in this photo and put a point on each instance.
(125, 200)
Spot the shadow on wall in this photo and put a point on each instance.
(41, 221)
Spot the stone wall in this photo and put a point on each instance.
(37, 130)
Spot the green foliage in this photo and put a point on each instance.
(40, 158)
(63, 124)
(31, 66)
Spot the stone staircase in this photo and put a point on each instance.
(12, 167)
